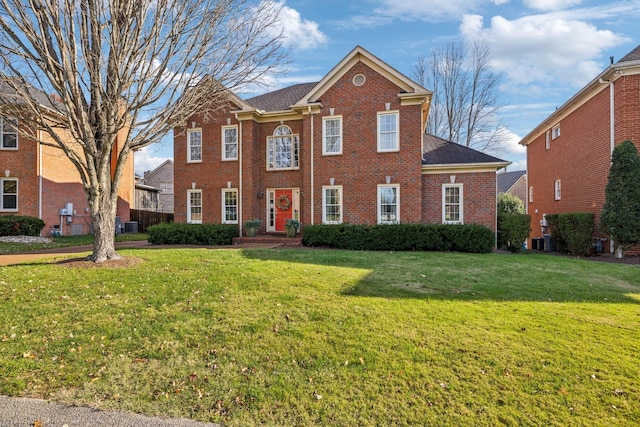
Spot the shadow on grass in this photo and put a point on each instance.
(472, 277)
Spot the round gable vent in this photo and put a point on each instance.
(359, 79)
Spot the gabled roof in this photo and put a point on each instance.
(282, 99)
(167, 162)
(629, 64)
(359, 54)
(506, 180)
(440, 153)
(8, 95)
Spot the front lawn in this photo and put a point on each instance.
(63, 241)
(326, 337)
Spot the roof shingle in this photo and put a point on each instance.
(281, 99)
(438, 151)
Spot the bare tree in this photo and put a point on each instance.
(127, 70)
(466, 95)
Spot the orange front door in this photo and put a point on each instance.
(284, 207)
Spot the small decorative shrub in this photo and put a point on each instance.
(251, 227)
(20, 225)
(192, 234)
(572, 233)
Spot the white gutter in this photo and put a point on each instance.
(612, 132)
(40, 173)
(312, 171)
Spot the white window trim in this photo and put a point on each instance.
(190, 131)
(557, 189)
(324, 203)
(295, 141)
(378, 205)
(461, 203)
(189, 220)
(531, 194)
(324, 136)
(396, 114)
(223, 200)
(547, 140)
(2, 147)
(555, 131)
(2, 208)
(224, 141)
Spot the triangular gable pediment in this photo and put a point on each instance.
(359, 54)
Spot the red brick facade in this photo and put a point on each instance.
(48, 181)
(358, 170)
(579, 158)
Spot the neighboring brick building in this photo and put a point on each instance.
(38, 180)
(514, 183)
(569, 153)
(347, 149)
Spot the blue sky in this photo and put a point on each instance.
(546, 49)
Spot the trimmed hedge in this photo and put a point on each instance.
(572, 232)
(513, 230)
(401, 237)
(191, 234)
(16, 225)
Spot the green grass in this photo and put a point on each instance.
(63, 241)
(326, 337)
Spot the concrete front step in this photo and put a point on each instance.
(269, 238)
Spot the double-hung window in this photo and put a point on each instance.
(8, 194)
(388, 204)
(8, 133)
(332, 135)
(230, 142)
(557, 189)
(452, 204)
(332, 204)
(388, 131)
(194, 145)
(194, 206)
(229, 206)
(282, 149)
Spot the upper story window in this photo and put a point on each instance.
(531, 194)
(557, 190)
(8, 194)
(230, 142)
(547, 140)
(230, 206)
(332, 135)
(555, 131)
(452, 204)
(332, 205)
(388, 132)
(282, 149)
(194, 206)
(8, 133)
(194, 145)
(166, 187)
(388, 204)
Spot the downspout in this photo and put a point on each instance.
(40, 173)
(612, 130)
(312, 172)
(239, 175)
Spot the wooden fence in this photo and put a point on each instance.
(148, 218)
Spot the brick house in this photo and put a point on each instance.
(38, 180)
(569, 153)
(514, 183)
(350, 148)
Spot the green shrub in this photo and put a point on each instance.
(576, 230)
(401, 237)
(572, 233)
(192, 234)
(508, 203)
(513, 230)
(16, 225)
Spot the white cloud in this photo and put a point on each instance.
(387, 11)
(299, 34)
(149, 158)
(540, 48)
(548, 5)
(517, 165)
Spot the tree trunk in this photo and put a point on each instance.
(103, 216)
